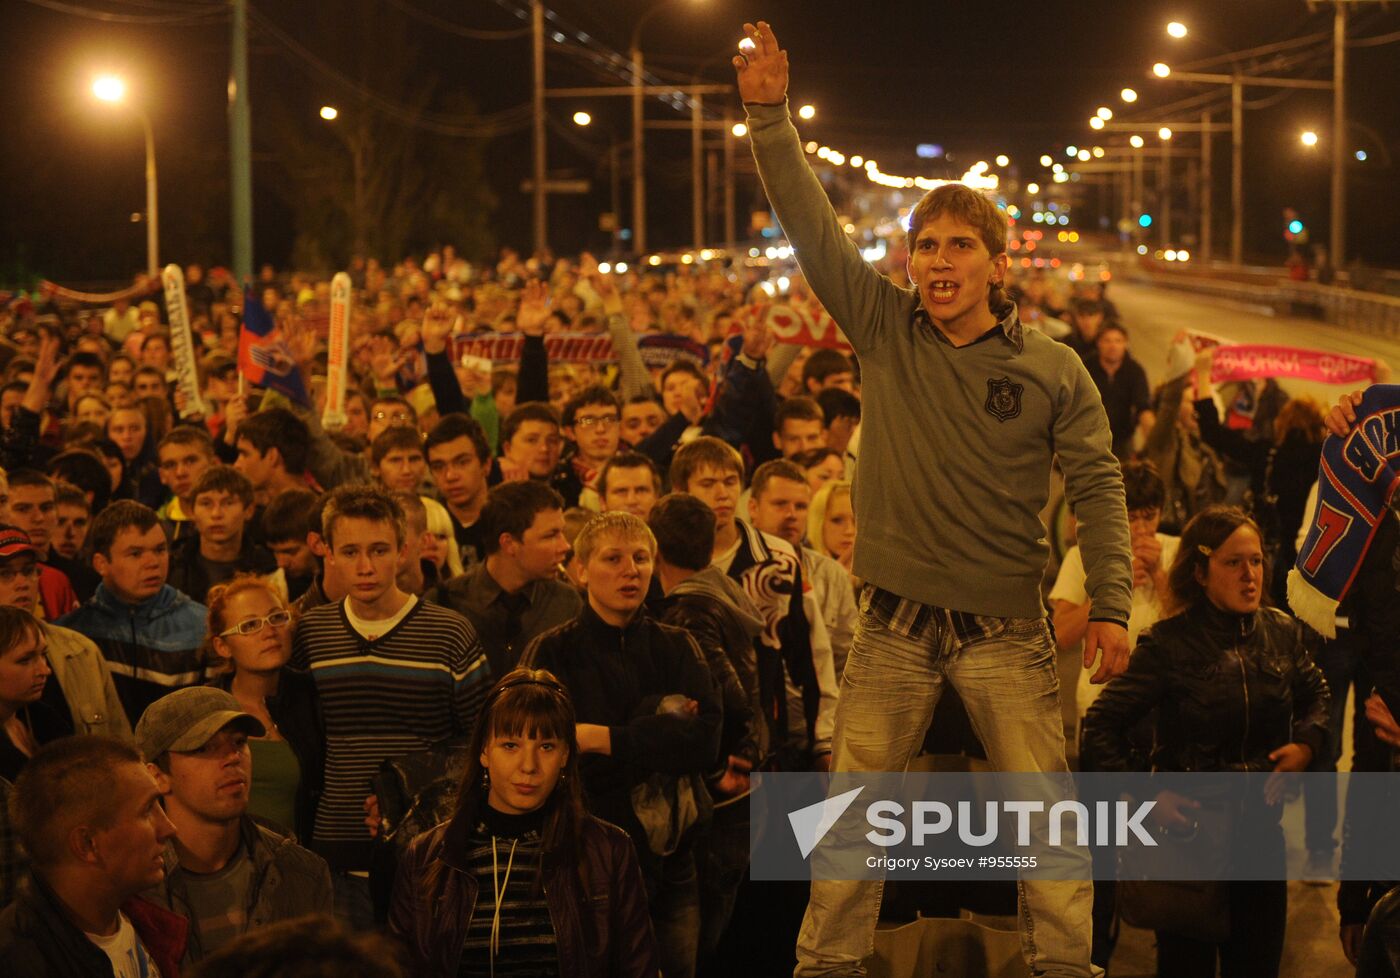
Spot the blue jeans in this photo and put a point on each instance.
(675, 915)
(892, 684)
(1339, 660)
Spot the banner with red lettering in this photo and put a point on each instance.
(803, 324)
(1247, 361)
(561, 347)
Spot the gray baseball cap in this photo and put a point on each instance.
(187, 719)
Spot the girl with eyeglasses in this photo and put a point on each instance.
(250, 639)
(521, 880)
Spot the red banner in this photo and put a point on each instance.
(561, 347)
(1247, 361)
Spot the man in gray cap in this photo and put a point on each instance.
(224, 872)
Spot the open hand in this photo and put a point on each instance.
(437, 329)
(762, 69)
(534, 309)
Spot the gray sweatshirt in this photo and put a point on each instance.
(956, 442)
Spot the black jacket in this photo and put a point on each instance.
(38, 940)
(188, 574)
(602, 933)
(296, 709)
(617, 677)
(1228, 690)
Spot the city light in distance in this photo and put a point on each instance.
(740, 130)
(109, 88)
(1095, 123)
(582, 118)
(1176, 29)
(1032, 188)
(1135, 141)
(1309, 138)
(1142, 249)
(1071, 151)
(1161, 69)
(1003, 160)
(1098, 152)
(1084, 156)
(1105, 113)
(1361, 155)
(857, 161)
(1128, 95)
(1058, 168)
(1164, 133)
(329, 113)
(1045, 159)
(807, 112)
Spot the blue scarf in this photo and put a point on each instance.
(1357, 476)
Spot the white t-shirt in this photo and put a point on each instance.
(127, 953)
(1147, 607)
(371, 629)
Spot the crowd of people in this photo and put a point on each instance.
(487, 667)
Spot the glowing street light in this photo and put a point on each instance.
(1071, 151)
(1084, 155)
(1309, 138)
(582, 118)
(109, 88)
(1128, 95)
(112, 90)
(1095, 122)
(1161, 69)
(1135, 141)
(1164, 133)
(807, 112)
(1177, 29)
(1045, 159)
(329, 113)
(1098, 152)
(1003, 160)
(1104, 113)
(740, 130)
(1032, 189)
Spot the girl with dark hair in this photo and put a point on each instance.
(1235, 690)
(26, 724)
(521, 880)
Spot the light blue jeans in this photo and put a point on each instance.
(1008, 681)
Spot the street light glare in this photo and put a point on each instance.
(1084, 155)
(807, 112)
(1164, 133)
(1309, 138)
(1071, 150)
(740, 130)
(1104, 113)
(1095, 122)
(1045, 159)
(582, 118)
(329, 113)
(1176, 29)
(109, 88)
(1161, 69)
(1003, 160)
(1032, 188)
(1098, 152)
(1128, 95)
(1135, 141)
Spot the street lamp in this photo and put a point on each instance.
(112, 90)
(1308, 138)
(1128, 95)
(1177, 29)
(807, 112)
(1164, 133)
(740, 131)
(1104, 113)
(582, 118)
(1161, 69)
(1003, 160)
(330, 113)
(1095, 122)
(1135, 141)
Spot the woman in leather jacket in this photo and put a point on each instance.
(521, 879)
(1234, 689)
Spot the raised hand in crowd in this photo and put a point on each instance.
(235, 411)
(438, 324)
(36, 398)
(385, 362)
(1340, 419)
(758, 338)
(534, 309)
(763, 68)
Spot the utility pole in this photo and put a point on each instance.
(1339, 136)
(537, 10)
(729, 237)
(1237, 170)
(639, 186)
(240, 148)
(1164, 193)
(697, 181)
(1207, 196)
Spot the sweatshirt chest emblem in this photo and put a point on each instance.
(1003, 398)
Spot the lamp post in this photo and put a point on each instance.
(111, 89)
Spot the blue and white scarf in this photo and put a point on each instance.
(1357, 476)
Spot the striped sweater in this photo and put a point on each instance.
(420, 683)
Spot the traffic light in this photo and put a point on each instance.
(1295, 232)
(1145, 221)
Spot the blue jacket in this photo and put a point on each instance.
(152, 648)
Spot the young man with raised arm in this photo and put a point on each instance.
(951, 546)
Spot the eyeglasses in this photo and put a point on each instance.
(250, 625)
(605, 422)
(8, 574)
(397, 418)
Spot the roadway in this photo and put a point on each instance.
(1153, 316)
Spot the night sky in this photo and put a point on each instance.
(1020, 78)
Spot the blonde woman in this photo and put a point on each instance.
(831, 522)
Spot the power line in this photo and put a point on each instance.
(206, 13)
(433, 20)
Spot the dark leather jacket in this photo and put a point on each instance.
(602, 933)
(39, 940)
(1228, 690)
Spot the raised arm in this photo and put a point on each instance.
(858, 297)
